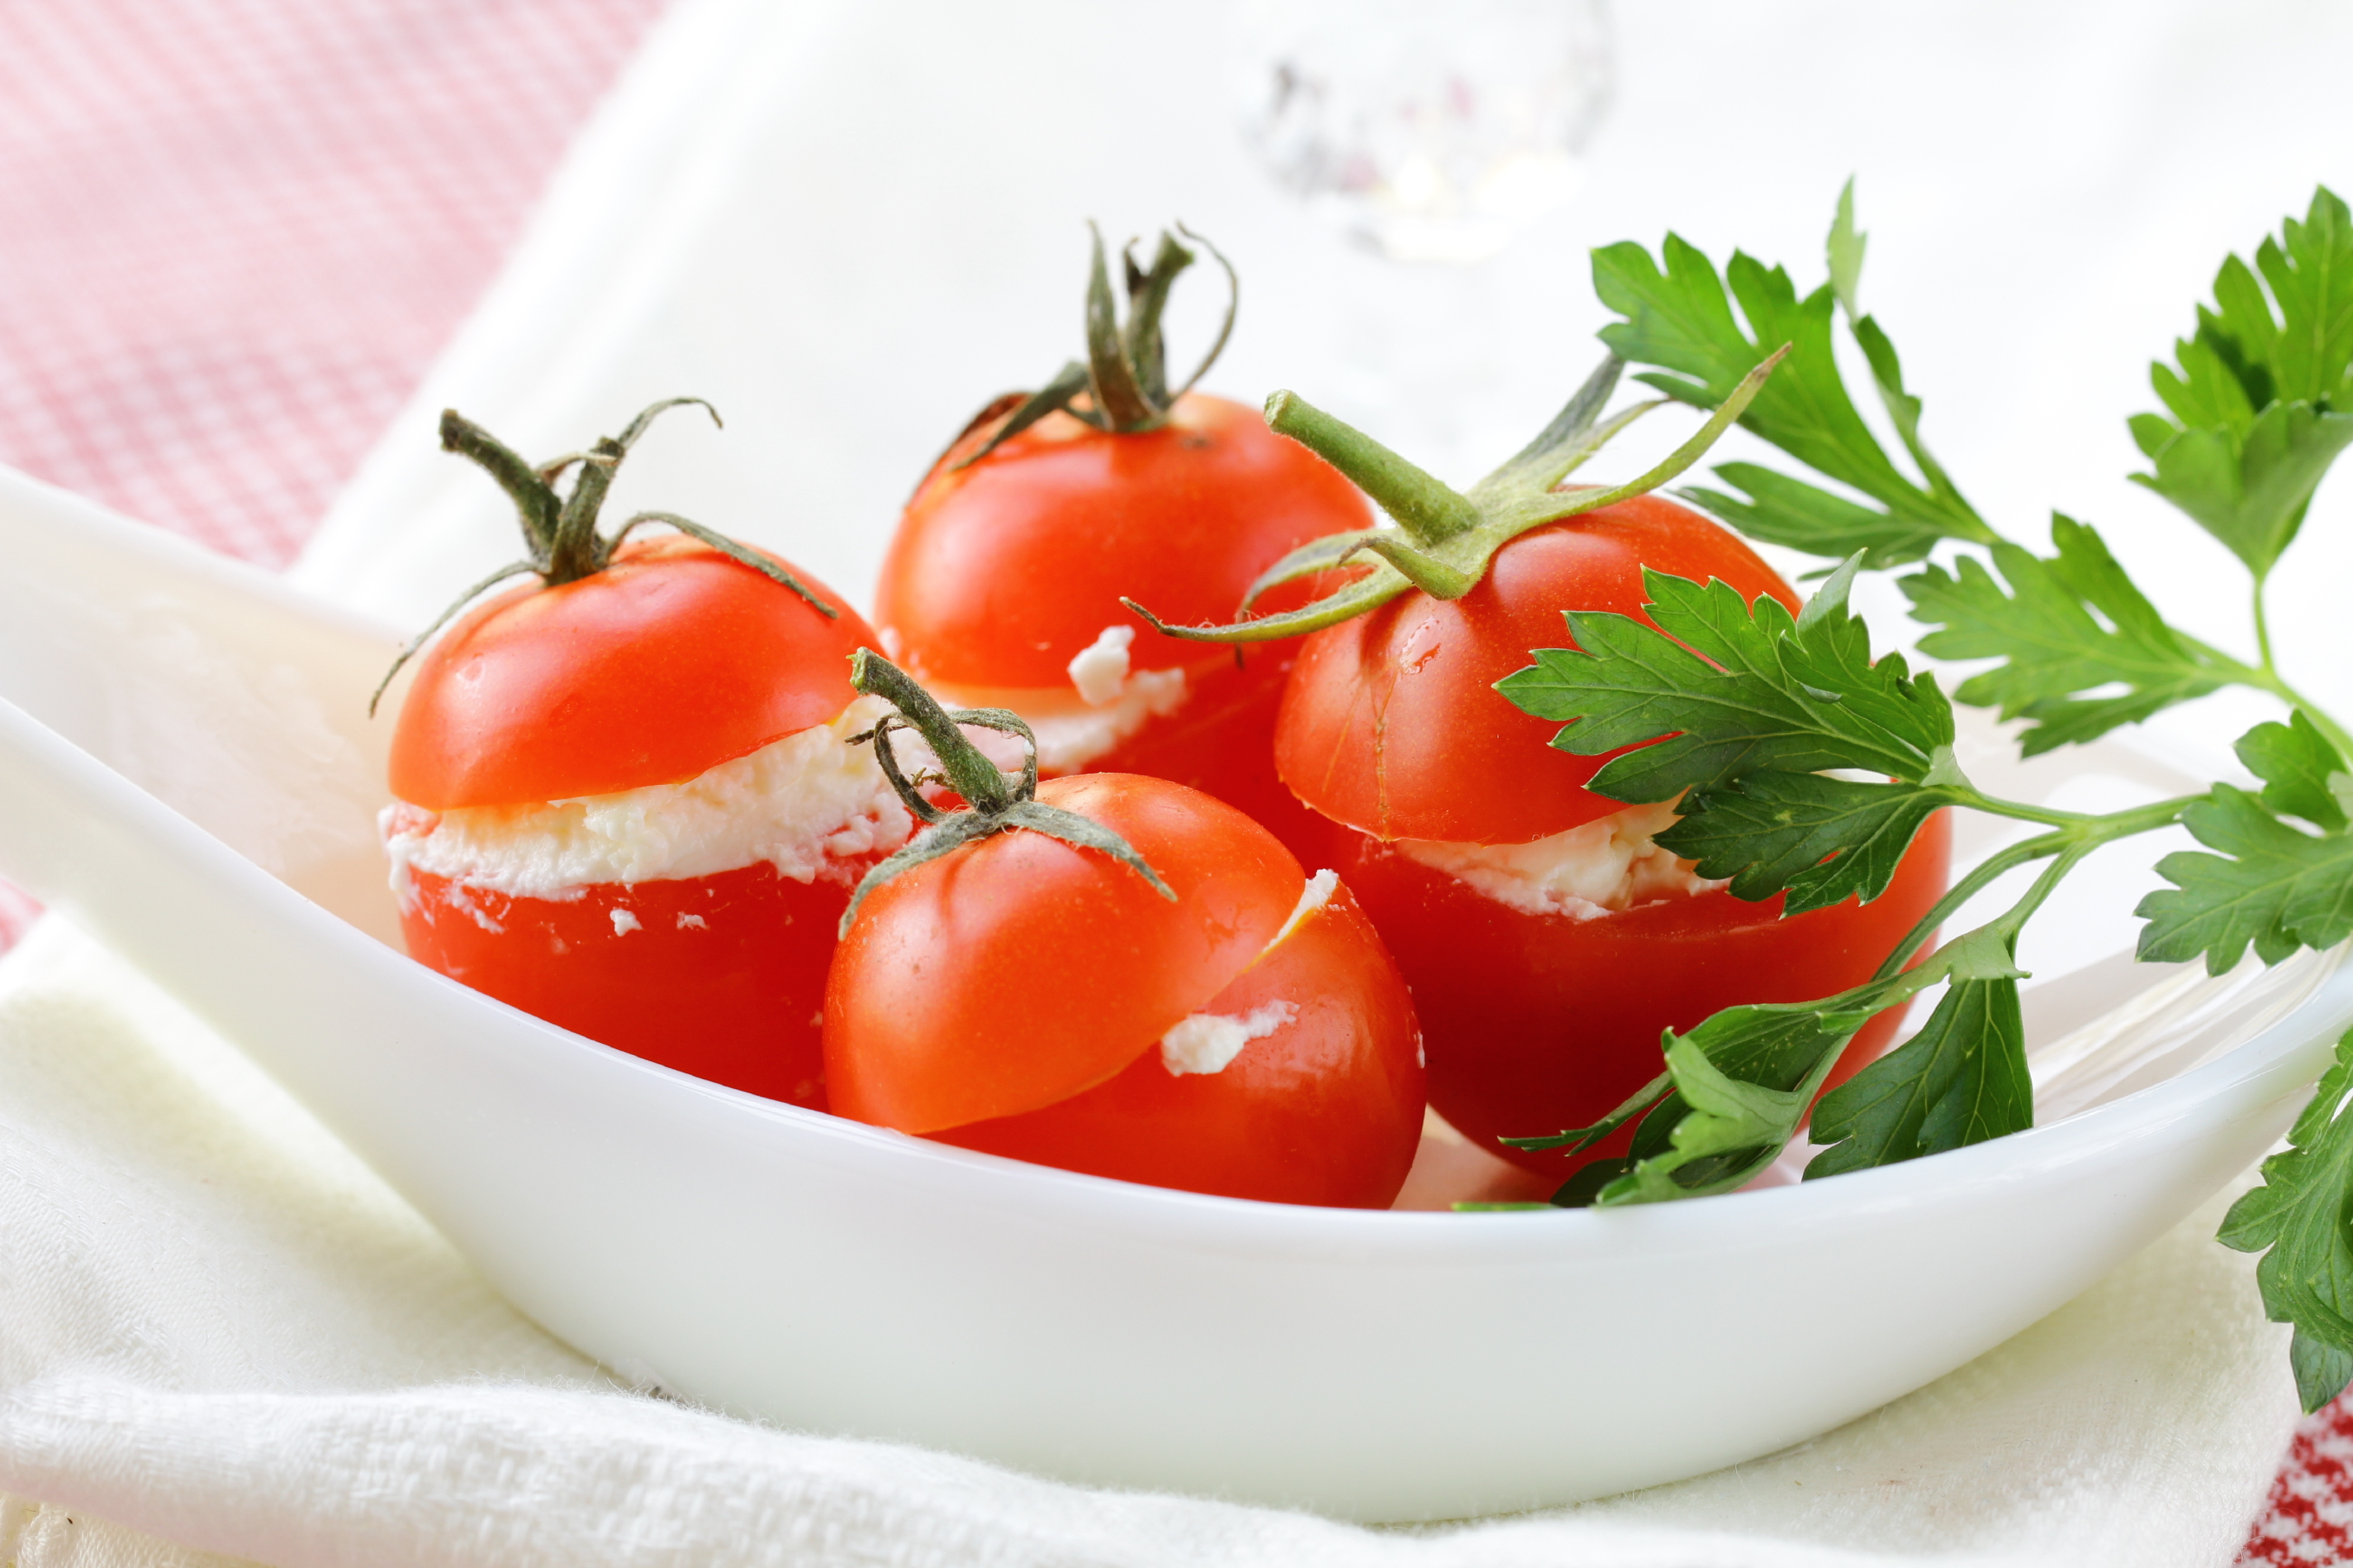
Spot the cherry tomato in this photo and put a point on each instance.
(1005, 572)
(1536, 1022)
(1390, 729)
(1391, 724)
(1014, 995)
(666, 663)
(668, 659)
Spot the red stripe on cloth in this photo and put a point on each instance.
(235, 233)
(2309, 1517)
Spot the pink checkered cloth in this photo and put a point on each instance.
(234, 232)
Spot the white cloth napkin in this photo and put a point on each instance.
(219, 1328)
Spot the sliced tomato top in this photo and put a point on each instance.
(1392, 725)
(1002, 573)
(662, 666)
(1020, 971)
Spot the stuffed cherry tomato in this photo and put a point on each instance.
(1127, 977)
(1003, 585)
(1548, 939)
(628, 799)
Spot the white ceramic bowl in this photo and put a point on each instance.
(835, 1277)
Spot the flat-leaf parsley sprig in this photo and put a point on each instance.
(1804, 765)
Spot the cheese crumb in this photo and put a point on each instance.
(623, 922)
(1209, 1042)
(1312, 897)
(1106, 703)
(1101, 669)
(691, 922)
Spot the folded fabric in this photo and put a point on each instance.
(219, 1328)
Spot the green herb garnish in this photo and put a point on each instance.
(1766, 711)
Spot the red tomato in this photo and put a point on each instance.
(1012, 997)
(1391, 729)
(720, 976)
(1536, 1023)
(1001, 573)
(668, 662)
(1391, 724)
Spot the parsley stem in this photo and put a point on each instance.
(1962, 891)
(2278, 687)
(2263, 628)
(2265, 677)
(2074, 835)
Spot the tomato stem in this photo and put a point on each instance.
(992, 805)
(1125, 378)
(559, 530)
(1425, 507)
(1444, 541)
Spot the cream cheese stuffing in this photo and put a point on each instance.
(803, 804)
(1599, 868)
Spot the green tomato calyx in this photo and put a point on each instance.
(1441, 540)
(1122, 387)
(559, 530)
(992, 803)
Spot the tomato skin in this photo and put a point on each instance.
(1002, 573)
(668, 662)
(1390, 725)
(1021, 970)
(1326, 1111)
(734, 1000)
(1538, 1023)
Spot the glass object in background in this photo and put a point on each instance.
(1425, 131)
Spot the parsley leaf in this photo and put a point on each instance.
(1822, 839)
(1736, 687)
(2301, 1220)
(1962, 1080)
(1743, 1078)
(1755, 703)
(2273, 885)
(1679, 318)
(2281, 887)
(2070, 623)
(2261, 405)
(2303, 774)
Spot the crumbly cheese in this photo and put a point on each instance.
(1312, 897)
(1105, 703)
(802, 803)
(1100, 669)
(1209, 1042)
(1594, 869)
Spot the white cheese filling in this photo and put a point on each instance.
(1312, 897)
(1209, 1042)
(1596, 869)
(803, 804)
(1105, 704)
